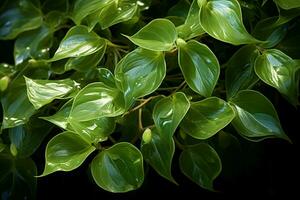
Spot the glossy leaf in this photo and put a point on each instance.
(279, 71)
(159, 152)
(95, 101)
(140, 73)
(201, 164)
(207, 117)
(118, 168)
(240, 73)
(256, 117)
(78, 42)
(191, 27)
(18, 17)
(42, 92)
(65, 152)
(168, 113)
(106, 77)
(288, 4)
(158, 35)
(222, 19)
(199, 66)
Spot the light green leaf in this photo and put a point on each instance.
(118, 168)
(222, 19)
(256, 117)
(288, 4)
(199, 66)
(140, 73)
(78, 42)
(95, 130)
(191, 27)
(207, 117)
(159, 152)
(240, 73)
(201, 164)
(168, 113)
(279, 71)
(18, 17)
(95, 101)
(42, 92)
(65, 152)
(158, 35)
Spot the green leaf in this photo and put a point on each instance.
(199, 66)
(279, 71)
(168, 113)
(222, 19)
(17, 17)
(240, 73)
(6, 70)
(42, 92)
(78, 42)
(33, 44)
(140, 73)
(105, 76)
(118, 168)
(158, 35)
(256, 117)
(95, 130)
(191, 27)
(201, 164)
(65, 152)
(288, 4)
(95, 101)
(207, 117)
(159, 152)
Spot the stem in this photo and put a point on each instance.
(140, 105)
(140, 120)
(112, 139)
(109, 43)
(179, 87)
(178, 144)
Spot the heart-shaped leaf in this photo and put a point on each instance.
(256, 117)
(201, 164)
(65, 152)
(158, 35)
(207, 117)
(199, 66)
(140, 73)
(279, 71)
(222, 19)
(118, 168)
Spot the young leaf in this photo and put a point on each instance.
(256, 117)
(207, 117)
(168, 113)
(279, 71)
(78, 42)
(42, 92)
(199, 66)
(240, 73)
(222, 19)
(140, 73)
(288, 4)
(118, 168)
(159, 152)
(95, 101)
(201, 164)
(158, 35)
(65, 152)
(18, 17)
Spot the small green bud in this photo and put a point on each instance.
(4, 83)
(147, 136)
(13, 149)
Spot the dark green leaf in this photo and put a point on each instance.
(205, 118)
(288, 4)
(140, 73)
(223, 21)
(105, 76)
(201, 164)
(199, 66)
(65, 152)
(279, 71)
(158, 35)
(19, 16)
(256, 117)
(118, 168)
(240, 73)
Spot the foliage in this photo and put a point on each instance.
(125, 85)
